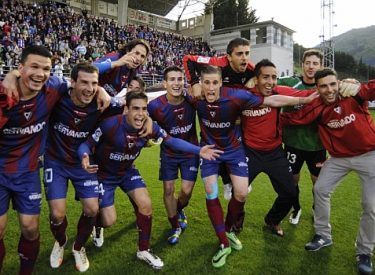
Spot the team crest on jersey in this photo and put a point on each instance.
(226, 79)
(213, 114)
(96, 136)
(337, 109)
(77, 120)
(243, 80)
(28, 115)
(180, 116)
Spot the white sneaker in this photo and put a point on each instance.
(98, 237)
(227, 191)
(57, 254)
(249, 188)
(295, 216)
(82, 263)
(150, 258)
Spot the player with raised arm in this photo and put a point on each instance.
(302, 142)
(237, 71)
(177, 117)
(263, 145)
(117, 69)
(217, 115)
(339, 120)
(115, 158)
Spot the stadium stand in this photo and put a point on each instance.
(73, 36)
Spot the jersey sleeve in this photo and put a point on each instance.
(104, 66)
(289, 91)
(307, 115)
(367, 91)
(174, 143)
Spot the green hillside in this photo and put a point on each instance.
(360, 43)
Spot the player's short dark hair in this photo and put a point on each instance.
(129, 46)
(134, 95)
(141, 82)
(261, 64)
(86, 67)
(312, 52)
(37, 50)
(323, 73)
(171, 69)
(234, 43)
(208, 69)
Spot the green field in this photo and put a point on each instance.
(263, 253)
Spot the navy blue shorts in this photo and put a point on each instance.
(24, 189)
(132, 180)
(170, 166)
(56, 178)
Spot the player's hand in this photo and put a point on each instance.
(90, 168)
(250, 83)
(349, 87)
(10, 85)
(308, 99)
(196, 91)
(103, 99)
(207, 152)
(152, 142)
(147, 128)
(129, 60)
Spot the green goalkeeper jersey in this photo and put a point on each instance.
(302, 137)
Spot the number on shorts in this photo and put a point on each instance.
(291, 157)
(48, 175)
(101, 189)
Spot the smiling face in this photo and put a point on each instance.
(174, 84)
(239, 58)
(136, 113)
(34, 73)
(266, 80)
(328, 88)
(139, 53)
(310, 65)
(211, 84)
(84, 89)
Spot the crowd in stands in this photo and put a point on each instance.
(73, 36)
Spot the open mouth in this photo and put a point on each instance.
(138, 122)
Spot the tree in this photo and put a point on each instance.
(229, 13)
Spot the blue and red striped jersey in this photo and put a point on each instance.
(177, 120)
(69, 126)
(23, 137)
(218, 119)
(113, 80)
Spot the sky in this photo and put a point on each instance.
(305, 16)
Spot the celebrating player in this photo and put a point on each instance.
(177, 117)
(115, 158)
(302, 142)
(237, 71)
(217, 114)
(339, 120)
(22, 141)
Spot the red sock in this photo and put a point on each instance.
(215, 212)
(28, 251)
(84, 229)
(174, 222)
(181, 206)
(144, 224)
(58, 230)
(2, 253)
(235, 208)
